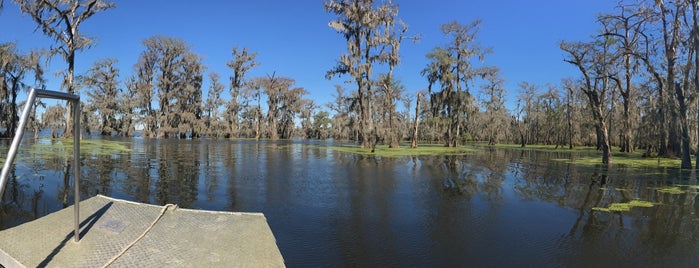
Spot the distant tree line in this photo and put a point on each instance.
(637, 86)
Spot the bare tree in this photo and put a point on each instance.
(592, 60)
(628, 28)
(671, 15)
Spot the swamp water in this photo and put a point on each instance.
(499, 207)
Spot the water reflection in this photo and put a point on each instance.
(494, 208)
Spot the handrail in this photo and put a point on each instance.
(75, 100)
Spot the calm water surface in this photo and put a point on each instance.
(325, 208)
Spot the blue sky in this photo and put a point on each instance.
(292, 38)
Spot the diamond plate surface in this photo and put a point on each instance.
(182, 237)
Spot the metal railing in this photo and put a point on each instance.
(75, 100)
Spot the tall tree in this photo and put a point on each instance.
(52, 118)
(452, 68)
(283, 103)
(343, 114)
(321, 125)
(168, 70)
(360, 22)
(627, 27)
(671, 16)
(243, 60)
(593, 62)
(14, 67)
(188, 98)
(60, 20)
(252, 115)
(141, 89)
(525, 111)
(129, 107)
(496, 118)
(389, 93)
(392, 38)
(307, 114)
(416, 120)
(102, 83)
(212, 106)
(694, 37)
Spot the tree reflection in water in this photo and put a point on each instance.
(491, 208)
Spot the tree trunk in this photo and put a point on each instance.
(68, 133)
(695, 43)
(685, 154)
(14, 118)
(604, 137)
(570, 119)
(627, 140)
(394, 142)
(415, 124)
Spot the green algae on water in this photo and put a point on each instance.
(622, 207)
(671, 190)
(64, 147)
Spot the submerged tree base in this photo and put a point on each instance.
(422, 149)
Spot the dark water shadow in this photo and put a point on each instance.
(85, 225)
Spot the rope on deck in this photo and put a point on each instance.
(162, 212)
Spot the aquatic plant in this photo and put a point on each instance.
(671, 190)
(64, 147)
(621, 207)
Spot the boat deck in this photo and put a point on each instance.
(119, 233)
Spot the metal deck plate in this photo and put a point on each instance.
(182, 237)
(114, 226)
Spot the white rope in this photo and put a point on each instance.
(162, 212)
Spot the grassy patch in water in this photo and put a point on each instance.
(670, 190)
(384, 151)
(63, 147)
(633, 160)
(621, 207)
(590, 156)
(540, 147)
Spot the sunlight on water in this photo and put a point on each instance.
(328, 208)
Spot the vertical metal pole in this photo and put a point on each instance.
(76, 165)
(16, 140)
